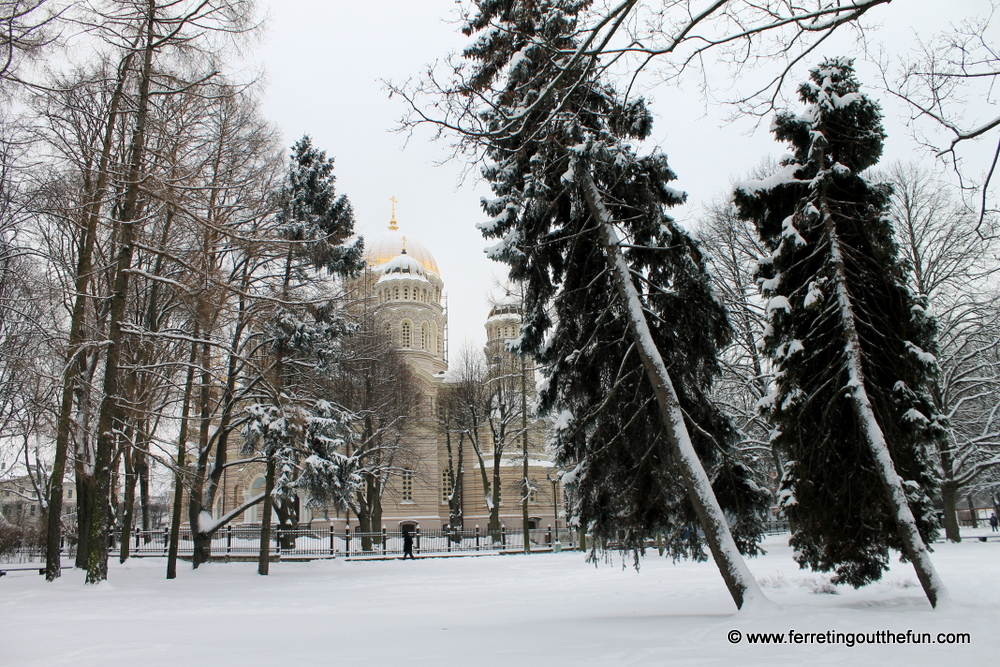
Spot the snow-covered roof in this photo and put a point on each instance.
(402, 266)
(390, 245)
(505, 310)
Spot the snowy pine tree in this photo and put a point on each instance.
(615, 293)
(852, 346)
(300, 433)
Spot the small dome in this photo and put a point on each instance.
(505, 309)
(402, 266)
(391, 245)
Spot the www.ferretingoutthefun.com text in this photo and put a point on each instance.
(849, 639)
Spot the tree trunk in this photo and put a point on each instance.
(456, 518)
(177, 509)
(484, 477)
(142, 474)
(84, 515)
(949, 489)
(76, 359)
(200, 498)
(913, 545)
(128, 509)
(741, 583)
(287, 510)
(525, 517)
(972, 512)
(110, 416)
(375, 491)
(495, 491)
(264, 556)
(949, 498)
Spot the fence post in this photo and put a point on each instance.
(503, 535)
(385, 538)
(347, 540)
(477, 537)
(418, 538)
(333, 548)
(548, 535)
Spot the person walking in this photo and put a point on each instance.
(408, 545)
(994, 522)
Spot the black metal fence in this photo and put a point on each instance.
(244, 541)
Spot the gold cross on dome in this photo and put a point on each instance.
(392, 222)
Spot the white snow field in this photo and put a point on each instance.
(543, 609)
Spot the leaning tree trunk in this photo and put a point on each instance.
(913, 545)
(739, 580)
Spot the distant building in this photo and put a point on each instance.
(19, 502)
(405, 283)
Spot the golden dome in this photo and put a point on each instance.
(390, 245)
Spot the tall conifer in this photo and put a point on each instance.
(615, 292)
(852, 346)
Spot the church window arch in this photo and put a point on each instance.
(406, 335)
(425, 340)
(406, 486)
(447, 485)
(406, 294)
(395, 293)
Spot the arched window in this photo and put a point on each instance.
(406, 486)
(256, 488)
(395, 293)
(406, 338)
(425, 339)
(447, 485)
(406, 294)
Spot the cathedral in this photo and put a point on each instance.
(404, 282)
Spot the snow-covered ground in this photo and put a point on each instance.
(544, 609)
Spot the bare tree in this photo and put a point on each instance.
(948, 83)
(951, 262)
(733, 250)
(156, 31)
(466, 405)
(376, 384)
(26, 26)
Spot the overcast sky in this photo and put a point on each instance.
(324, 61)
